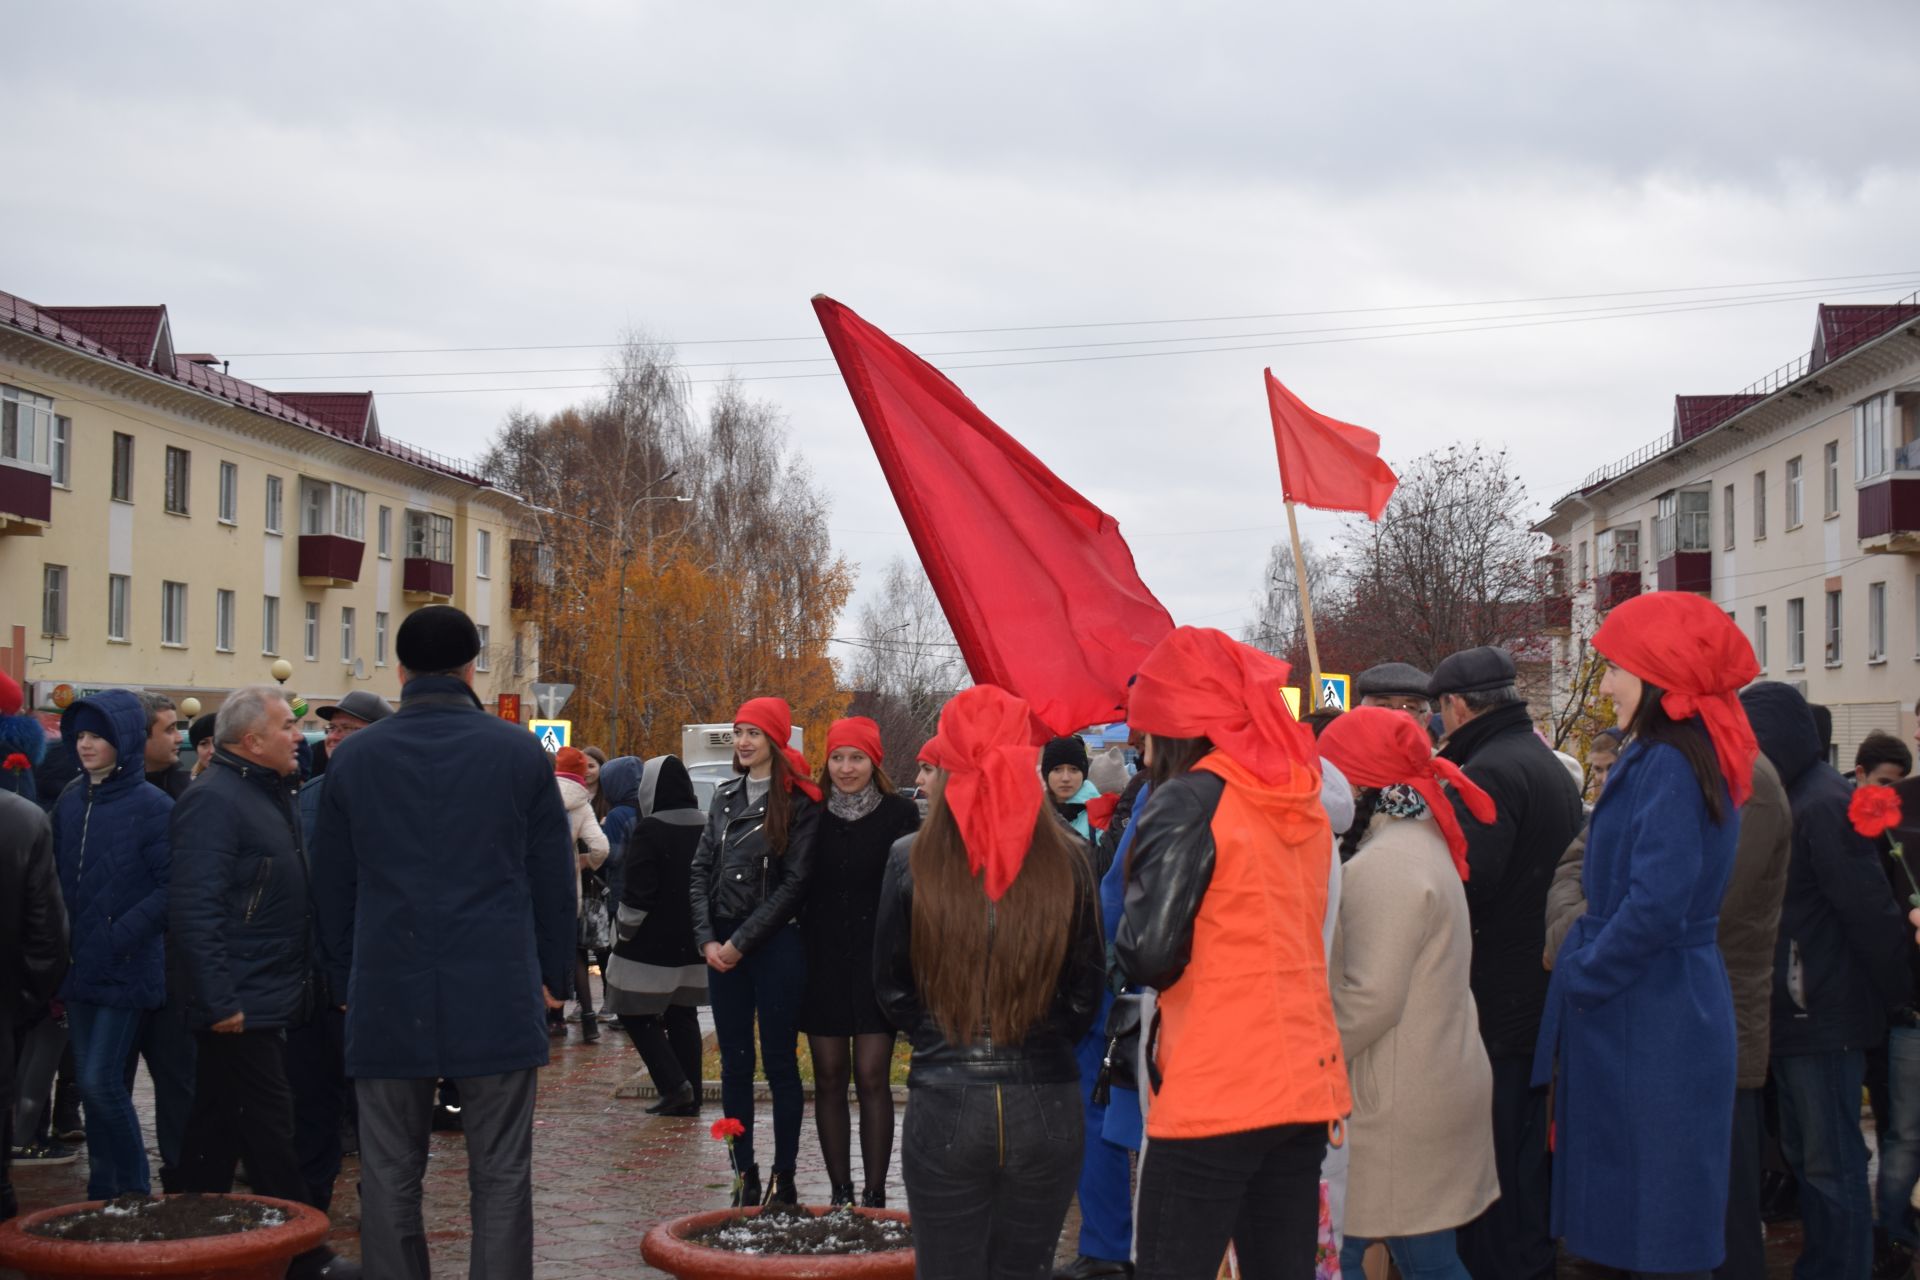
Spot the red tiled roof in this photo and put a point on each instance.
(345, 413)
(128, 332)
(1696, 415)
(1841, 328)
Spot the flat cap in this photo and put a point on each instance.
(1473, 671)
(436, 638)
(1392, 679)
(361, 704)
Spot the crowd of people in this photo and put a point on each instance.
(1258, 987)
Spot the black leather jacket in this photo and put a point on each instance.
(737, 877)
(33, 916)
(1046, 1056)
(1169, 869)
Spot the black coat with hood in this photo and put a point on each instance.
(659, 867)
(1840, 959)
(33, 917)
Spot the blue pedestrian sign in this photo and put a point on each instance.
(1334, 693)
(553, 734)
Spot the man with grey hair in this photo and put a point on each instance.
(1511, 862)
(241, 916)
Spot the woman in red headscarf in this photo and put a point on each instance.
(846, 1031)
(1226, 895)
(1420, 1141)
(1639, 1017)
(750, 876)
(990, 957)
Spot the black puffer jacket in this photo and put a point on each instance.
(241, 910)
(1537, 815)
(1046, 1055)
(33, 917)
(737, 877)
(1840, 960)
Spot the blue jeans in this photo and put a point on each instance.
(1821, 1140)
(1427, 1257)
(1106, 1176)
(766, 987)
(1900, 1144)
(103, 1042)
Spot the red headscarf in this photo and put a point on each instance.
(1199, 682)
(857, 732)
(773, 717)
(1684, 644)
(1376, 747)
(993, 784)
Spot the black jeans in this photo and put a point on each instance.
(242, 1108)
(990, 1171)
(763, 991)
(317, 1075)
(1746, 1237)
(1260, 1189)
(669, 1045)
(1513, 1240)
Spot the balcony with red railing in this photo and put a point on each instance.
(26, 499)
(329, 560)
(1889, 506)
(426, 581)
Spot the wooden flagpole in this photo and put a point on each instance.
(1312, 700)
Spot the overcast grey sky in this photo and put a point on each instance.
(430, 175)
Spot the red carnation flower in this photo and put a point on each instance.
(727, 1128)
(16, 763)
(1874, 810)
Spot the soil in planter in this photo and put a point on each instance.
(791, 1229)
(136, 1219)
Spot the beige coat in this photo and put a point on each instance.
(1421, 1134)
(589, 841)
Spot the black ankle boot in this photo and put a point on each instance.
(842, 1194)
(748, 1193)
(782, 1192)
(873, 1199)
(589, 1028)
(684, 1101)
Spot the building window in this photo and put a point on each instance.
(1759, 505)
(484, 555)
(179, 478)
(53, 600)
(229, 493)
(1795, 494)
(429, 537)
(1683, 523)
(223, 620)
(333, 509)
(276, 493)
(346, 634)
(173, 613)
(1760, 635)
(1872, 444)
(1726, 517)
(269, 624)
(1830, 470)
(26, 429)
(119, 593)
(122, 467)
(519, 656)
(1620, 549)
(63, 451)
(1580, 565)
(380, 638)
(386, 533)
(481, 662)
(1796, 633)
(1833, 628)
(313, 632)
(1876, 622)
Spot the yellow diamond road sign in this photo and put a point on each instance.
(553, 734)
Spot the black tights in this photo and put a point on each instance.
(870, 1068)
(669, 1044)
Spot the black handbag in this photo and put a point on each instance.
(1123, 1031)
(596, 914)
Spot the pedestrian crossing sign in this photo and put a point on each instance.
(1334, 693)
(553, 734)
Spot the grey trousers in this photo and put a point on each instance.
(396, 1119)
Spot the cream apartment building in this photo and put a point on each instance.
(164, 526)
(1794, 505)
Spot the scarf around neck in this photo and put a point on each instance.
(851, 807)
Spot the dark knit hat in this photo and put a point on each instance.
(1391, 680)
(1473, 671)
(1068, 750)
(201, 730)
(436, 638)
(87, 717)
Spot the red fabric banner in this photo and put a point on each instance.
(1037, 584)
(1325, 463)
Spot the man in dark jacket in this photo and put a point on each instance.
(242, 917)
(166, 1045)
(444, 870)
(1839, 964)
(164, 769)
(1537, 815)
(33, 946)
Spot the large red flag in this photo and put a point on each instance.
(1326, 463)
(1036, 581)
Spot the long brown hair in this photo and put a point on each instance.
(1175, 756)
(955, 928)
(779, 799)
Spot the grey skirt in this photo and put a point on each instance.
(639, 990)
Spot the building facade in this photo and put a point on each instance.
(166, 527)
(1794, 505)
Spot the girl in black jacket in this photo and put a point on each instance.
(845, 1029)
(749, 878)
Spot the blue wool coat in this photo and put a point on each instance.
(1641, 1016)
(110, 840)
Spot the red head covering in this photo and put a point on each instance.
(571, 762)
(922, 757)
(1376, 747)
(1201, 682)
(1687, 646)
(993, 784)
(773, 717)
(11, 699)
(857, 732)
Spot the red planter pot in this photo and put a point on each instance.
(667, 1248)
(249, 1255)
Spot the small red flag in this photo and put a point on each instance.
(1036, 582)
(1325, 463)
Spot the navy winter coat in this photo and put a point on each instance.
(1841, 957)
(241, 911)
(620, 786)
(443, 873)
(111, 842)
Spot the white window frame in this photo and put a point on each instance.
(222, 620)
(178, 487)
(429, 536)
(276, 503)
(1760, 635)
(346, 634)
(1797, 633)
(269, 625)
(481, 661)
(1796, 492)
(1876, 622)
(483, 554)
(311, 631)
(229, 493)
(1832, 617)
(1727, 518)
(26, 429)
(350, 512)
(173, 615)
(119, 607)
(386, 533)
(1830, 479)
(121, 478)
(330, 508)
(1580, 562)
(1873, 446)
(1759, 505)
(54, 583)
(62, 459)
(380, 637)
